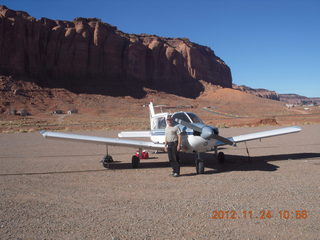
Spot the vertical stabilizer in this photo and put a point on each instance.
(157, 120)
(151, 112)
(151, 109)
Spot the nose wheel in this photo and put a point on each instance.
(221, 158)
(199, 166)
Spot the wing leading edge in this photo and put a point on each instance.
(101, 140)
(134, 134)
(265, 134)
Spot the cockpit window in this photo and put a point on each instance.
(194, 118)
(162, 123)
(159, 123)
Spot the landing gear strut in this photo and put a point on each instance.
(107, 159)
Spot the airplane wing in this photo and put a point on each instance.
(134, 134)
(101, 140)
(264, 134)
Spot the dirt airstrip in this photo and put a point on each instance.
(59, 190)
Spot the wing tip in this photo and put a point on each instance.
(43, 132)
(298, 128)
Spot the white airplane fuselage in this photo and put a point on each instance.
(189, 142)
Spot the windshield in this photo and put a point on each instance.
(194, 118)
(182, 116)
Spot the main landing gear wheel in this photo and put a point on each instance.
(200, 166)
(135, 161)
(106, 161)
(221, 157)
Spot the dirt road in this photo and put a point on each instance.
(59, 190)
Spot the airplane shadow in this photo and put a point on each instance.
(232, 162)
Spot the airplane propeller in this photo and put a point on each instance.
(206, 132)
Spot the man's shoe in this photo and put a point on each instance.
(176, 175)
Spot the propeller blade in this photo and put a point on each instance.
(224, 140)
(188, 125)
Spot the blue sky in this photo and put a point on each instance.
(272, 44)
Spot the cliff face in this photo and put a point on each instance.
(87, 55)
(298, 99)
(260, 92)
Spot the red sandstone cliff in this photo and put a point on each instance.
(87, 55)
(298, 99)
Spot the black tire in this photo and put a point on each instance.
(106, 161)
(200, 166)
(135, 161)
(221, 158)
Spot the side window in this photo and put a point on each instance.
(162, 123)
(158, 123)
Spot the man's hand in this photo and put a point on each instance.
(166, 149)
(178, 148)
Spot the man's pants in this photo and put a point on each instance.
(173, 156)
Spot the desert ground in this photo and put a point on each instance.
(59, 190)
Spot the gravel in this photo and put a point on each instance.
(59, 190)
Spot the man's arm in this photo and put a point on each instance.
(179, 142)
(165, 143)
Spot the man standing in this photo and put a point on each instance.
(172, 145)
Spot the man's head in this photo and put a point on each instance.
(169, 120)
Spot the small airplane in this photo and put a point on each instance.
(196, 137)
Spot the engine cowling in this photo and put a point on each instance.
(208, 132)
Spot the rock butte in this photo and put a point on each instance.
(88, 56)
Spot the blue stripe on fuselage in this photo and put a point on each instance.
(162, 133)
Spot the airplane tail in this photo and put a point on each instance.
(157, 120)
(151, 109)
(157, 123)
(152, 113)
